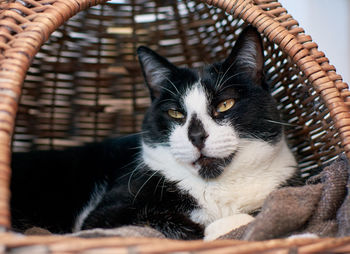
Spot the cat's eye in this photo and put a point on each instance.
(175, 114)
(225, 105)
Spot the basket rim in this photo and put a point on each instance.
(69, 244)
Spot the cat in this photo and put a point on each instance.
(210, 151)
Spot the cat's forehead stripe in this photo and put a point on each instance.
(196, 100)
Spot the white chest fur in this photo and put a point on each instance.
(257, 169)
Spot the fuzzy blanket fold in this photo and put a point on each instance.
(321, 207)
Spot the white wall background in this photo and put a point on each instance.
(328, 23)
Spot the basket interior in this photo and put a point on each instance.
(85, 83)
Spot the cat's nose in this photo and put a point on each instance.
(198, 139)
(196, 133)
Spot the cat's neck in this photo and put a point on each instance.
(257, 169)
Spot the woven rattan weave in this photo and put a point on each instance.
(69, 75)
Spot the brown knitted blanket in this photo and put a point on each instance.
(321, 207)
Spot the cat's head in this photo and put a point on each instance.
(202, 116)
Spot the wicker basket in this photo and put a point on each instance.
(84, 84)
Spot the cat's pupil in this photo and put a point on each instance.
(225, 105)
(175, 114)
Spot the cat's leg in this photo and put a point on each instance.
(225, 225)
(111, 216)
(171, 224)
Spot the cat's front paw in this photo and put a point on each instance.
(226, 225)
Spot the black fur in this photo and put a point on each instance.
(50, 188)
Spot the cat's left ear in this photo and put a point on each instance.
(247, 55)
(156, 70)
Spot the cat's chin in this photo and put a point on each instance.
(211, 168)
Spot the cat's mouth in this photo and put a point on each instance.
(209, 167)
(203, 160)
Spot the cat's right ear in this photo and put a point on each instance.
(155, 68)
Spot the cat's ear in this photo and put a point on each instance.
(247, 55)
(155, 68)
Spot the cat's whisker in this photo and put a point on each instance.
(223, 76)
(144, 184)
(281, 123)
(216, 70)
(218, 77)
(171, 99)
(125, 166)
(166, 89)
(253, 136)
(138, 160)
(126, 173)
(161, 144)
(135, 147)
(131, 175)
(138, 133)
(155, 188)
(178, 92)
(221, 84)
(162, 190)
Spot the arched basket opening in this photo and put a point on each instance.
(85, 83)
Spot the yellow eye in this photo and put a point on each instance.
(175, 114)
(225, 105)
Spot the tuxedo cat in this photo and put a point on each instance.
(211, 149)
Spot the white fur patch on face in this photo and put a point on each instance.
(221, 142)
(256, 170)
